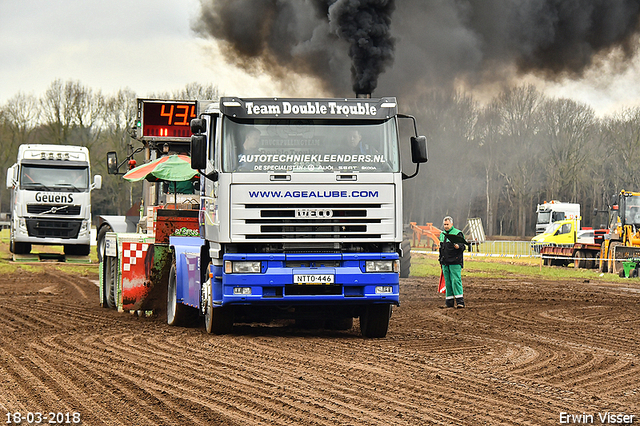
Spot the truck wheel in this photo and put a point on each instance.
(589, 262)
(21, 248)
(218, 320)
(222, 320)
(405, 260)
(177, 313)
(77, 250)
(581, 261)
(374, 322)
(109, 276)
(614, 266)
(100, 241)
(601, 260)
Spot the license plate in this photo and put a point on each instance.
(313, 279)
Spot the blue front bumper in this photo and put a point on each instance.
(274, 285)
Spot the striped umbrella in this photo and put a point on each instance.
(173, 168)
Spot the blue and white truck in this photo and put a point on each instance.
(303, 223)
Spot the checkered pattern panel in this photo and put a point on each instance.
(133, 255)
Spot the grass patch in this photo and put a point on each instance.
(8, 266)
(426, 264)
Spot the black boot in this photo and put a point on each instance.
(459, 302)
(449, 303)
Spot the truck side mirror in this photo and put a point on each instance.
(112, 163)
(198, 151)
(198, 125)
(11, 178)
(97, 182)
(419, 149)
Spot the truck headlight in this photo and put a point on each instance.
(242, 267)
(382, 266)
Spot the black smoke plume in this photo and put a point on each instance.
(408, 45)
(364, 24)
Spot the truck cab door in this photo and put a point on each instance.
(565, 234)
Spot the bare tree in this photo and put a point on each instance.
(18, 119)
(569, 128)
(192, 91)
(621, 143)
(72, 113)
(117, 195)
(445, 184)
(516, 157)
(487, 145)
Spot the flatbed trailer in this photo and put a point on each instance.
(582, 255)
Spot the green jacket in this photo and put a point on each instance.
(449, 255)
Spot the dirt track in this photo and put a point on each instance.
(520, 353)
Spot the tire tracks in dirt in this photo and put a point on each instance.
(548, 348)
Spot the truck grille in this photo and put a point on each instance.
(346, 222)
(52, 228)
(41, 208)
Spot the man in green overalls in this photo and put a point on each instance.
(451, 260)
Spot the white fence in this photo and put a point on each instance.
(498, 249)
(504, 249)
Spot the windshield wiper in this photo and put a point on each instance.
(69, 185)
(37, 185)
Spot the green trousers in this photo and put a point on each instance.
(452, 280)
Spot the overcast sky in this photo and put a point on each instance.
(148, 46)
(145, 45)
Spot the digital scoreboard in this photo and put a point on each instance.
(165, 119)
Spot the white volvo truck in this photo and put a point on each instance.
(51, 198)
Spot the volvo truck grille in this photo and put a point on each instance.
(52, 228)
(57, 209)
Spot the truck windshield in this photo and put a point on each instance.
(40, 178)
(309, 145)
(544, 217)
(552, 228)
(632, 210)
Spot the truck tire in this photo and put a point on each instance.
(21, 248)
(405, 260)
(77, 250)
(601, 262)
(581, 260)
(109, 277)
(100, 241)
(614, 266)
(590, 261)
(222, 320)
(177, 313)
(374, 323)
(217, 320)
